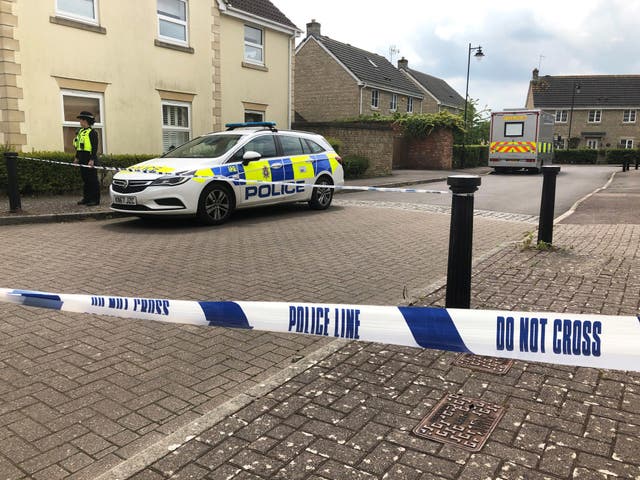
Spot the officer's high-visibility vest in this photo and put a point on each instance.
(82, 141)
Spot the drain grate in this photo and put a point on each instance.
(465, 422)
(499, 366)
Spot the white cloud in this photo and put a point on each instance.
(574, 37)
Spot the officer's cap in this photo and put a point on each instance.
(87, 116)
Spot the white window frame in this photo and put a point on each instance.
(409, 104)
(592, 143)
(595, 116)
(175, 128)
(561, 116)
(626, 142)
(375, 98)
(629, 116)
(259, 46)
(393, 104)
(74, 16)
(255, 112)
(177, 21)
(76, 123)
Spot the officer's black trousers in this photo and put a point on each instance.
(91, 187)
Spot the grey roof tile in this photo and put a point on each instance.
(264, 9)
(369, 67)
(595, 91)
(439, 89)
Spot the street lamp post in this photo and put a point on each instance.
(576, 89)
(478, 56)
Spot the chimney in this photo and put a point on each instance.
(403, 64)
(535, 75)
(313, 28)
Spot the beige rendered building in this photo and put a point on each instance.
(165, 72)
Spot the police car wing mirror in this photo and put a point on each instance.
(250, 156)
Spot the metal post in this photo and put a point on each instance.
(460, 240)
(547, 203)
(12, 181)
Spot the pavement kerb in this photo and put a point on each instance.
(575, 206)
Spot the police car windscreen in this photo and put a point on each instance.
(208, 146)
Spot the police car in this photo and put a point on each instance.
(249, 164)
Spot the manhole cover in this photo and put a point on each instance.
(485, 364)
(465, 422)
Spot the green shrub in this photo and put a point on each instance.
(354, 166)
(37, 178)
(619, 155)
(474, 156)
(335, 143)
(576, 156)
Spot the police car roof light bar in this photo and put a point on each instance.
(270, 125)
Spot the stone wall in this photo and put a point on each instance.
(385, 147)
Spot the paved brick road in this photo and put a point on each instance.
(81, 394)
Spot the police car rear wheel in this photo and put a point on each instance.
(321, 197)
(216, 204)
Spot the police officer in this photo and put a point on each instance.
(86, 145)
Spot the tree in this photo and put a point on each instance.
(478, 121)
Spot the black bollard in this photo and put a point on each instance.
(460, 240)
(547, 204)
(10, 159)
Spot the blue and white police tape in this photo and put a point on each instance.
(236, 179)
(600, 341)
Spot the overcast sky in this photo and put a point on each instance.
(560, 37)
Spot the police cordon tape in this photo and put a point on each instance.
(241, 180)
(600, 341)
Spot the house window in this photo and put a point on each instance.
(176, 124)
(595, 116)
(561, 116)
(172, 20)
(629, 116)
(393, 105)
(83, 10)
(592, 143)
(375, 98)
(626, 143)
(74, 102)
(409, 104)
(253, 116)
(253, 45)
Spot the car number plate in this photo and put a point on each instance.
(124, 200)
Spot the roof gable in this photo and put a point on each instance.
(595, 91)
(373, 69)
(440, 89)
(262, 8)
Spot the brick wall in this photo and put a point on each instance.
(376, 142)
(434, 152)
(373, 141)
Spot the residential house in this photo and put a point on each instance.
(335, 80)
(154, 72)
(438, 95)
(598, 111)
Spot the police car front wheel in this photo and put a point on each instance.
(216, 204)
(321, 196)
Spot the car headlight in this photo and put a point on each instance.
(169, 181)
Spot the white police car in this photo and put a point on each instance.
(249, 164)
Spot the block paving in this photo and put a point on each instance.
(97, 397)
